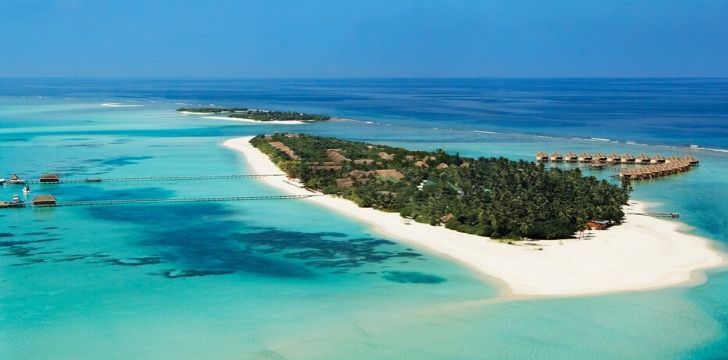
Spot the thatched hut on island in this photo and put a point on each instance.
(363, 161)
(384, 156)
(44, 200)
(50, 178)
(421, 164)
(390, 174)
(598, 224)
(542, 156)
(614, 157)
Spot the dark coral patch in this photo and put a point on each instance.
(406, 277)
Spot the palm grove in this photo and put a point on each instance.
(493, 197)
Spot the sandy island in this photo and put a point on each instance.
(641, 254)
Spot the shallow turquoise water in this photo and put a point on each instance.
(285, 278)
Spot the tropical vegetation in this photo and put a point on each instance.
(493, 197)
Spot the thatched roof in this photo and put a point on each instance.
(44, 199)
(442, 166)
(384, 156)
(421, 164)
(390, 173)
(363, 161)
(344, 182)
(14, 177)
(50, 177)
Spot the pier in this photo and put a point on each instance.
(42, 201)
(55, 179)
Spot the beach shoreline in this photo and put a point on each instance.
(644, 253)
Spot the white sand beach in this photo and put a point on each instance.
(643, 253)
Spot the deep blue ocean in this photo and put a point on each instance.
(271, 280)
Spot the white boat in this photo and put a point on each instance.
(26, 189)
(2, 181)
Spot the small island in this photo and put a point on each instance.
(256, 115)
(493, 197)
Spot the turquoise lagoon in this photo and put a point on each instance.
(287, 279)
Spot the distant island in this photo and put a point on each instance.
(257, 115)
(493, 197)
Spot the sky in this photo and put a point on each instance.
(363, 38)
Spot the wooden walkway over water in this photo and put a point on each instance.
(112, 202)
(152, 178)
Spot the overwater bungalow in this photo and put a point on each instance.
(384, 156)
(584, 157)
(14, 179)
(600, 157)
(571, 157)
(556, 157)
(597, 165)
(50, 179)
(655, 170)
(627, 159)
(542, 157)
(614, 157)
(657, 159)
(642, 159)
(693, 161)
(45, 200)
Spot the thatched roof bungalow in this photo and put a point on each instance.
(598, 224)
(390, 174)
(571, 157)
(384, 156)
(556, 157)
(363, 161)
(335, 156)
(542, 156)
(614, 157)
(441, 166)
(50, 178)
(642, 159)
(584, 157)
(421, 164)
(627, 159)
(657, 159)
(44, 200)
(285, 149)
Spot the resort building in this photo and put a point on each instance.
(556, 157)
(627, 159)
(571, 157)
(585, 158)
(44, 200)
(614, 157)
(50, 178)
(542, 157)
(384, 156)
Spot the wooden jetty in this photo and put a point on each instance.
(55, 179)
(51, 201)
